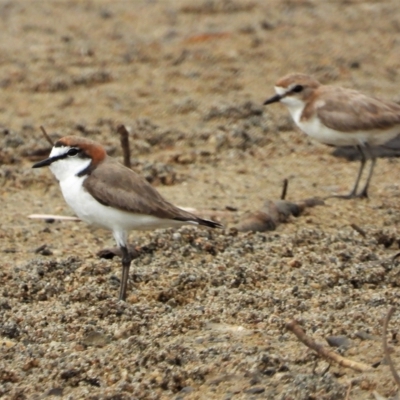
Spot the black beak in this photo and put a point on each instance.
(43, 163)
(272, 99)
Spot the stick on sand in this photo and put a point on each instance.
(294, 327)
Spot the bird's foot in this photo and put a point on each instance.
(363, 194)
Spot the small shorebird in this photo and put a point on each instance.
(105, 193)
(339, 117)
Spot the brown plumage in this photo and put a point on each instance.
(92, 149)
(298, 79)
(114, 185)
(347, 110)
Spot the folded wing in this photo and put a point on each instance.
(349, 111)
(114, 185)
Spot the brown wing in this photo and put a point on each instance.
(347, 110)
(114, 185)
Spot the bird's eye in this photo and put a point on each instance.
(73, 152)
(298, 89)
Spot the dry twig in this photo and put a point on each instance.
(48, 138)
(348, 391)
(359, 230)
(284, 189)
(386, 349)
(124, 136)
(294, 327)
(54, 217)
(378, 396)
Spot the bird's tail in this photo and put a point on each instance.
(209, 223)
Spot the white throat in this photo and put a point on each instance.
(293, 103)
(67, 167)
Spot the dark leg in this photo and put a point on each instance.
(126, 263)
(364, 191)
(353, 192)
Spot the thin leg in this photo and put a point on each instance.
(364, 191)
(126, 263)
(353, 192)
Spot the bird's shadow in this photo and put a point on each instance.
(388, 150)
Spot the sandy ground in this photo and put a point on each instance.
(206, 312)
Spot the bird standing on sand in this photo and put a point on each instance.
(339, 117)
(103, 192)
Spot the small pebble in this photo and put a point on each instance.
(339, 341)
(365, 335)
(186, 390)
(56, 392)
(255, 390)
(176, 236)
(7, 343)
(295, 263)
(96, 339)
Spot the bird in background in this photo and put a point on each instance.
(338, 117)
(105, 193)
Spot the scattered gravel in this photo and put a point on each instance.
(206, 310)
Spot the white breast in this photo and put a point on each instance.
(314, 128)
